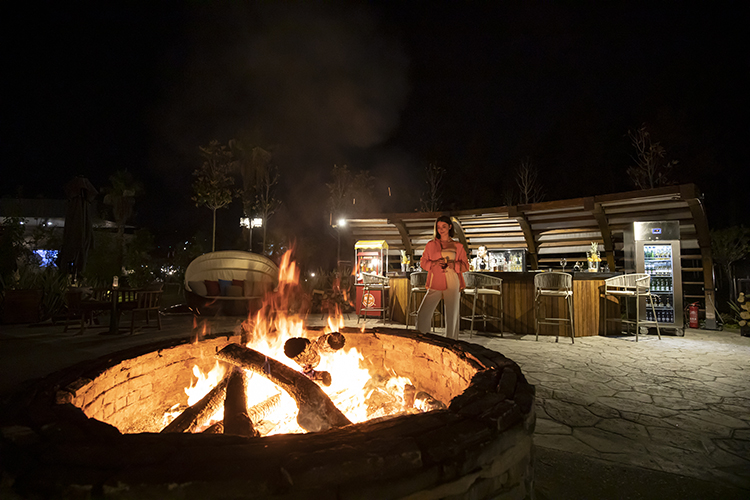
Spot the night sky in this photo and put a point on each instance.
(476, 87)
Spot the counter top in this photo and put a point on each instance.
(583, 275)
(576, 275)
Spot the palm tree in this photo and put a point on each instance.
(121, 197)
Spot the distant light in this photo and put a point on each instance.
(312, 275)
(49, 223)
(256, 222)
(244, 222)
(341, 222)
(22, 223)
(47, 257)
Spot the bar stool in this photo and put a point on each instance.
(478, 284)
(632, 285)
(375, 282)
(556, 285)
(417, 282)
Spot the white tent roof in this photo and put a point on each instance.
(231, 264)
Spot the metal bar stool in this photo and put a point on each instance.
(478, 284)
(636, 286)
(557, 285)
(417, 282)
(375, 282)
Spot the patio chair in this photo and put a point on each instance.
(418, 282)
(143, 301)
(84, 304)
(554, 285)
(635, 286)
(482, 285)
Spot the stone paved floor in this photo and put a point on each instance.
(678, 406)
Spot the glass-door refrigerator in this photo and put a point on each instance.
(657, 253)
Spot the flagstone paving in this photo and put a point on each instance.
(679, 405)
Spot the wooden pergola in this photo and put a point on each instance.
(551, 230)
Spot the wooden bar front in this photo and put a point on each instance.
(518, 303)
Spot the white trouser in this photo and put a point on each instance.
(452, 296)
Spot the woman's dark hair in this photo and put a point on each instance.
(447, 220)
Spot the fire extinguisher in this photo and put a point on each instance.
(693, 315)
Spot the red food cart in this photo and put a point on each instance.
(371, 257)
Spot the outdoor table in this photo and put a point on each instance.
(120, 297)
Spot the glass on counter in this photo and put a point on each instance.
(509, 261)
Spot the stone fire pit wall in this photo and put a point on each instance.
(480, 447)
(134, 394)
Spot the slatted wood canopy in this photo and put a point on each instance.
(563, 228)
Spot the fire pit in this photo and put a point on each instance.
(93, 431)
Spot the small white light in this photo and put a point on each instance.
(256, 222)
(312, 275)
(341, 222)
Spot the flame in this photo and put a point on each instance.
(352, 389)
(200, 387)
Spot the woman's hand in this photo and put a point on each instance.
(443, 262)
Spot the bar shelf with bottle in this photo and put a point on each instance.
(657, 261)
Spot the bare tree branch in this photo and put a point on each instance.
(651, 169)
(529, 188)
(432, 197)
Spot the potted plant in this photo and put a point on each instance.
(23, 297)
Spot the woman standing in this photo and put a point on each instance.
(445, 261)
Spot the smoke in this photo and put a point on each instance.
(318, 83)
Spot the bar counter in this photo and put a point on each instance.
(518, 304)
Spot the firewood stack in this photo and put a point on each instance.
(316, 411)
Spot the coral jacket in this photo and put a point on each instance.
(435, 274)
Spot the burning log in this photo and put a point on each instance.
(316, 411)
(261, 410)
(330, 342)
(425, 402)
(302, 351)
(236, 419)
(198, 414)
(306, 353)
(322, 376)
(217, 428)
